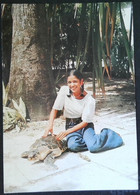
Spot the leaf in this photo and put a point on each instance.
(80, 37)
(15, 105)
(9, 118)
(106, 32)
(5, 95)
(9, 112)
(3, 8)
(113, 21)
(22, 107)
(75, 8)
(13, 117)
(87, 38)
(126, 41)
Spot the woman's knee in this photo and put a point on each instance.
(75, 143)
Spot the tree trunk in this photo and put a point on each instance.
(31, 73)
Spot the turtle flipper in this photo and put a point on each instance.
(43, 153)
(25, 154)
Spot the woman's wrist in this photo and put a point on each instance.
(68, 131)
(49, 129)
(50, 126)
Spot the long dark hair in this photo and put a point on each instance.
(79, 76)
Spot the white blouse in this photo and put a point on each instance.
(75, 108)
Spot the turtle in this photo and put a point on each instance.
(45, 147)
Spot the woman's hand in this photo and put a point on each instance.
(61, 135)
(50, 126)
(49, 129)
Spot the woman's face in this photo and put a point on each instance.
(74, 84)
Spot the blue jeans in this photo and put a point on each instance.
(86, 139)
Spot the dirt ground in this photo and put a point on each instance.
(119, 99)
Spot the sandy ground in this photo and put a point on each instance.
(114, 169)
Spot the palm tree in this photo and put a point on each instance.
(101, 28)
(127, 41)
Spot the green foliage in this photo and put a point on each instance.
(87, 34)
(21, 109)
(122, 51)
(13, 117)
(119, 57)
(126, 42)
(64, 35)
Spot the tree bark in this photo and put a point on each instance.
(31, 74)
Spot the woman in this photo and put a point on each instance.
(79, 109)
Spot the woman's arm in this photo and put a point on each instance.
(63, 134)
(77, 127)
(51, 120)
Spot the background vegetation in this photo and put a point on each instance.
(91, 37)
